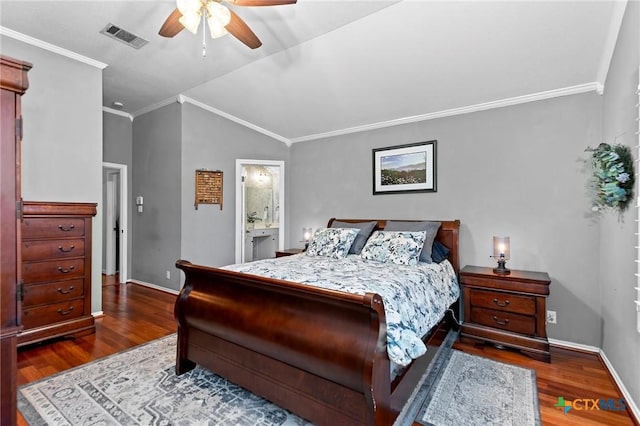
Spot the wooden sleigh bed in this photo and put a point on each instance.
(319, 353)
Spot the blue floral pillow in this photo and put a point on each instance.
(398, 247)
(332, 242)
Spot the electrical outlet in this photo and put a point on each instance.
(168, 275)
(551, 317)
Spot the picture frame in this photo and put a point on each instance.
(405, 168)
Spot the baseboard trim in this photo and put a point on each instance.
(98, 314)
(154, 286)
(633, 407)
(574, 346)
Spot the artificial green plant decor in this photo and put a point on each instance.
(613, 177)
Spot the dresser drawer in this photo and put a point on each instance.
(504, 320)
(52, 228)
(52, 249)
(55, 292)
(503, 301)
(52, 270)
(48, 314)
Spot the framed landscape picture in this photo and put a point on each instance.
(405, 168)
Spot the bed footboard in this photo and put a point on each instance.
(316, 352)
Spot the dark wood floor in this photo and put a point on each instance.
(135, 314)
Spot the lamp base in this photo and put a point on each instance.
(501, 269)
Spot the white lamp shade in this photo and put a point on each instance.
(306, 234)
(219, 17)
(216, 30)
(190, 21)
(189, 7)
(501, 248)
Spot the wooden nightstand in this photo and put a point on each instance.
(288, 252)
(506, 310)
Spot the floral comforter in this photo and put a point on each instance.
(415, 297)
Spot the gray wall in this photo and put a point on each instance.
(169, 144)
(213, 142)
(62, 144)
(118, 148)
(515, 171)
(620, 340)
(156, 176)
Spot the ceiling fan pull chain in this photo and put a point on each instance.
(204, 38)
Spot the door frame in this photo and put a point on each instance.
(240, 205)
(121, 170)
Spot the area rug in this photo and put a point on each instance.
(140, 387)
(472, 390)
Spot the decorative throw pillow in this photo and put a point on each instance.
(439, 252)
(431, 228)
(402, 248)
(366, 228)
(332, 242)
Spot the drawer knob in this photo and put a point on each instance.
(64, 250)
(66, 228)
(61, 291)
(63, 312)
(505, 322)
(506, 302)
(66, 271)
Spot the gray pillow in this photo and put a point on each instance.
(424, 225)
(366, 228)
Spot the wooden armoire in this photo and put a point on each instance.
(13, 84)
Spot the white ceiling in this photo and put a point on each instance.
(331, 67)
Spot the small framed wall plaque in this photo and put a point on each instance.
(208, 187)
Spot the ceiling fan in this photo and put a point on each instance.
(220, 19)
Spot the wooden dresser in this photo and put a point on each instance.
(56, 270)
(506, 310)
(13, 84)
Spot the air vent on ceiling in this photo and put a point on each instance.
(124, 36)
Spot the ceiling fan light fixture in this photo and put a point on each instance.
(190, 21)
(215, 29)
(218, 18)
(188, 7)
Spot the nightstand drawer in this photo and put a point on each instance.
(504, 320)
(503, 302)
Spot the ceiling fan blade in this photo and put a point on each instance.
(261, 2)
(172, 26)
(240, 30)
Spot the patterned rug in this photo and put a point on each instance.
(139, 387)
(471, 391)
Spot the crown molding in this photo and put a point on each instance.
(549, 94)
(157, 105)
(565, 91)
(182, 99)
(117, 112)
(619, 9)
(51, 47)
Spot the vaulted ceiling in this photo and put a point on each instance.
(332, 67)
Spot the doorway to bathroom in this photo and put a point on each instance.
(259, 209)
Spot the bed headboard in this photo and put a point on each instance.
(447, 235)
